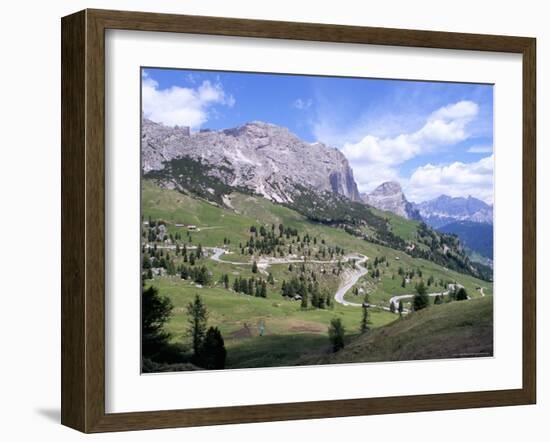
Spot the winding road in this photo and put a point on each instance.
(349, 279)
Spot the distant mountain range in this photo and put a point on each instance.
(468, 218)
(445, 210)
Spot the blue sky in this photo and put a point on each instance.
(432, 137)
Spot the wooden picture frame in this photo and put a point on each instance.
(83, 220)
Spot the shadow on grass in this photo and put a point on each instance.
(274, 350)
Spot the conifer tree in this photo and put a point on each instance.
(197, 317)
(336, 333)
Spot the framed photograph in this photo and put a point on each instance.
(268, 220)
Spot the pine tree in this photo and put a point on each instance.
(263, 292)
(400, 309)
(226, 280)
(365, 318)
(421, 299)
(461, 294)
(254, 267)
(197, 317)
(156, 311)
(336, 333)
(303, 304)
(328, 299)
(213, 352)
(315, 296)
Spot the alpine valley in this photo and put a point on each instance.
(266, 239)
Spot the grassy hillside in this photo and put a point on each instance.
(274, 331)
(289, 332)
(216, 223)
(418, 240)
(476, 236)
(457, 329)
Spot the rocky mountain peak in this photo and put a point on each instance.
(389, 197)
(388, 188)
(262, 157)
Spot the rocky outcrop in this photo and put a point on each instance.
(264, 158)
(390, 197)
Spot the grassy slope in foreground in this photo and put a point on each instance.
(457, 329)
(290, 332)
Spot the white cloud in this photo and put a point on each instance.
(456, 179)
(372, 176)
(180, 105)
(480, 149)
(375, 156)
(302, 104)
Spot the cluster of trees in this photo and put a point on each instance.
(410, 274)
(421, 299)
(187, 255)
(208, 345)
(200, 275)
(251, 286)
(207, 342)
(267, 241)
(155, 231)
(152, 258)
(446, 250)
(281, 241)
(379, 260)
(308, 291)
(155, 257)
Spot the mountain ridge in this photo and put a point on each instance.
(262, 157)
(445, 209)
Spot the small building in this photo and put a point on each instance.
(191, 227)
(180, 225)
